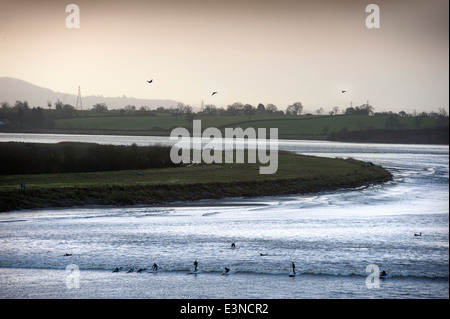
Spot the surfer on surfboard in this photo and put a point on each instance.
(195, 265)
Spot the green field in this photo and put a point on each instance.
(160, 123)
(289, 166)
(428, 128)
(296, 174)
(306, 126)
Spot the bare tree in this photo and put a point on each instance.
(99, 107)
(295, 109)
(442, 112)
(249, 109)
(210, 109)
(335, 109)
(235, 108)
(5, 105)
(270, 108)
(177, 110)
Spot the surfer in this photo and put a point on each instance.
(233, 245)
(227, 270)
(195, 265)
(293, 268)
(155, 267)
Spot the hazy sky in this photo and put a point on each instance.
(250, 51)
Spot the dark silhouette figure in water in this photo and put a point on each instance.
(417, 234)
(155, 267)
(233, 245)
(195, 265)
(293, 268)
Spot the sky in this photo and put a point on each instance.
(249, 51)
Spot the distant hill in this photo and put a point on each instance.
(12, 90)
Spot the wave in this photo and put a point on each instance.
(13, 221)
(233, 270)
(210, 214)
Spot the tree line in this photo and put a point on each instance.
(21, 115)
(72, 157)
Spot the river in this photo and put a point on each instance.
(336, 239)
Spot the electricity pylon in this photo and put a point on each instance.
(79, 103)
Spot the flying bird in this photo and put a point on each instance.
(213, 93)
(150, 81)
(344, 91)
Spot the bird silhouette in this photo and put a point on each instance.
(344, 91)
(150, 81)
(213, 93)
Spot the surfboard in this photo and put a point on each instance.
(291, 274)
(193, 272)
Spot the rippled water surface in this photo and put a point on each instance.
(330, 236)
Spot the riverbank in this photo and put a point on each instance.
(296, 174)
(438, 135)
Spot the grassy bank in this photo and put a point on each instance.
(296, 174)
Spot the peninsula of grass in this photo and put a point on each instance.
(163, 184)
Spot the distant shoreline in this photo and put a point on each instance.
(433, 136)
